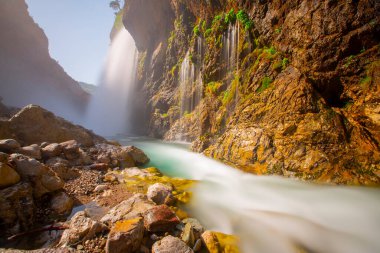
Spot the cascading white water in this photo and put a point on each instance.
(186, 79)
(272, 214)
(108, 110)
(230, 47)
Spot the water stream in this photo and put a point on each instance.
(273, 214)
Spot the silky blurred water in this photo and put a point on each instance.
(272, 214)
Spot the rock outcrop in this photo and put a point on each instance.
(46, 128)
(267, 86)
(27, 72)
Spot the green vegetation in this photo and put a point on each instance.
(212, 88)
(265, 83)
(229, 94)
(196, 30)
(208, 32)
(115, 5)
(349, 61)
(271, 50)
(284, 63)
(365, 81)
(243, 17)
(230, 17)
(164, 115)
(278, 30)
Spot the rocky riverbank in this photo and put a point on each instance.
(79, 192)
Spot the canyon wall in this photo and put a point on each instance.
(27, 72)
(271, 87)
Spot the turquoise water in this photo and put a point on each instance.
(272, 214)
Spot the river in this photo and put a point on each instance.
(272, 214)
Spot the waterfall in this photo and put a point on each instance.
(230, 47)
(186, 79)
(108, 110)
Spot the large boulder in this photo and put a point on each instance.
(81, 228)
(16, 209)
(125, 236)
(160, 219)
(33, 124)
(9, 145)
(160, 194)
(33, 151)
(8, 176)
(131, 208)
(44, 180)
(171, 244)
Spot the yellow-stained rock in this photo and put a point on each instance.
(8, 176)
(216, 242)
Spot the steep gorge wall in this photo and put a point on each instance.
(301, 101)
(27, 72)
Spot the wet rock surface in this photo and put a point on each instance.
(160, 218)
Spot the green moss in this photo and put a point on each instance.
(365, 81)
(278, 30)
(349, 61)
(208, 32)
(118, 24)
(196, 30)
(212, 88)
(164, 115)
(277, 65)
(265, 83)
(284, 63)
(173, 71)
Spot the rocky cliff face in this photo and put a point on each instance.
(27, 72)
(271, 87)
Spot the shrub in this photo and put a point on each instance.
(243, 17)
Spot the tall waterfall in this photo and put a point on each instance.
(108, 111)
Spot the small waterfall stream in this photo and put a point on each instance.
(108, 110)
(230, 47)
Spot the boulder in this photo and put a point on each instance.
(61, 203)
(81, 228)
(125, 236)
(8, 176)
(160, 219)
(62, 168)
(70, 149)
(171, 244)
(33, 151)
(16, 209)
(44, 180)
(137, 154)
(219, 242)
(131, 208)
(33, 124)
(51, 150)
(9, 145)
(161, 194)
